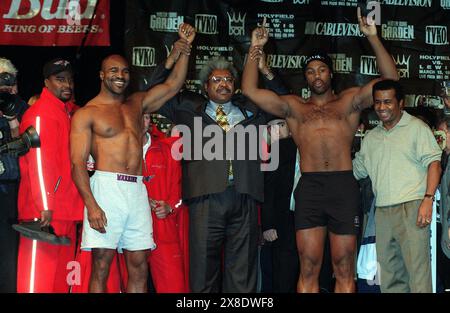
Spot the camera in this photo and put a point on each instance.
(7, 100)
(21, 145)
(7, 79)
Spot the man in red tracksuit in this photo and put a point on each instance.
(162, 177)
(47, 192)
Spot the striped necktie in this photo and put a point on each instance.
(222, 121)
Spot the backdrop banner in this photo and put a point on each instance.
(415, 32)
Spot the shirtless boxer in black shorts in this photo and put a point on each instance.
(323, 127)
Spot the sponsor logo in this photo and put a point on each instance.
(368, 65)
(408, 3)
(131, 179)
(300, 2)
(206, 24)
(305, 92)
(286, 61)
(436, 35)
(445, 4)
(144, 56)
(344, 3)
(341, 63)
(402, 63)
(397, 30)
(332, 29)
(165, 21)
(65, 10)
(430, 101)
(236, 24)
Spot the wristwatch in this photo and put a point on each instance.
(428, 195)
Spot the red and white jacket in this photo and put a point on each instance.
(46, 182)
(162, 171)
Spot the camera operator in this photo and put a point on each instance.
(11, 111)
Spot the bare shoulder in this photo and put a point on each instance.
(86, 113)
(294, 103)
(136, 97)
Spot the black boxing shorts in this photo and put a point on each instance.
(329, 199)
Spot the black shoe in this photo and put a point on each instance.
(33, 230)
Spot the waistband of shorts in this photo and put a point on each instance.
(333, 173)
(119, 176)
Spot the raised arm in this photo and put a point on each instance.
(80, 143)
(386, 64)
(267, 100)
(155, 97)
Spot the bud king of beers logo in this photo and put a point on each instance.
(54, 22)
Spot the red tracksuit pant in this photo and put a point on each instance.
(47, 268)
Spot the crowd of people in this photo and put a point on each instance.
(155, 213)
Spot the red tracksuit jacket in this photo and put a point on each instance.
(169, 262)
(46, 182)
(164, 175)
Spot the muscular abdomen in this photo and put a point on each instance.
(324, 146)
(121, 153)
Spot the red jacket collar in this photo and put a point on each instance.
(48, 97)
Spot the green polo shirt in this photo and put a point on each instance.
(397, 160)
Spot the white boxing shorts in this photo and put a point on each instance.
(124, 200)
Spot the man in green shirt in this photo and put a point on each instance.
(402, 158)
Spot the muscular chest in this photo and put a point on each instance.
(317, 115)
(117, 120)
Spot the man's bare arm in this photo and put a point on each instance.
(155, 97)
(80, 143)
(425, 211)
(267, 100)
(386, 65)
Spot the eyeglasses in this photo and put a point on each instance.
(218, 79)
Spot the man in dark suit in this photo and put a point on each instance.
(222, 192)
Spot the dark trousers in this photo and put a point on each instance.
(9, 239)
(279, 259)
(223, 237)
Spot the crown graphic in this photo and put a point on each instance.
(238, 19)
(402, 60)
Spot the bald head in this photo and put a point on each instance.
(113, 58)
(115, 74)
